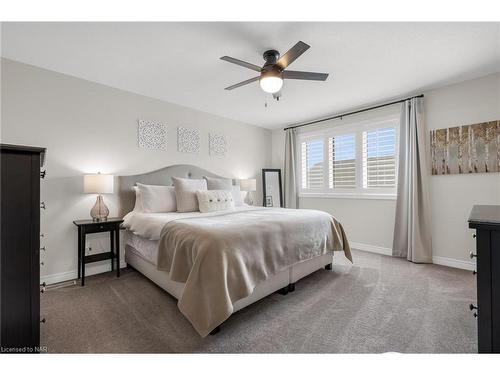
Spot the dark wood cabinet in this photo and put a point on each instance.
(486, 221)
(20, 248)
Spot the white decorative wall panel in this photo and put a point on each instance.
(217, 144)
(152, 135)
(188, 140)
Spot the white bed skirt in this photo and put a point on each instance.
(271, 285)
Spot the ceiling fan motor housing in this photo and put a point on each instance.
(271, 56)
(271, 72)
(270, 69)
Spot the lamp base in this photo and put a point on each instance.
(99, 212)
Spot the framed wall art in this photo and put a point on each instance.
(466, 149)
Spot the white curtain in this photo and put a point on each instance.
(412, 230)
(290, 173)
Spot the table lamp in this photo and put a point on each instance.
(98, 184)
(249, 185)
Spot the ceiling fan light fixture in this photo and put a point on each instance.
(271, 82)
(275, 70)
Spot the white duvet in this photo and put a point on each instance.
(149, 225)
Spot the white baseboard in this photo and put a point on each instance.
(442, 261)
(455, 263)
(371, 248)
(90, 269)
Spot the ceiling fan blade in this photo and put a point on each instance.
(308, 76)
(242, 63)
(292, 54)
(242, 83)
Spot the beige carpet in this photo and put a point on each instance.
(377, 305)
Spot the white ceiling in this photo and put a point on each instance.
(179, 62)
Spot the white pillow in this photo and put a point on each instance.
(215, 200)
(238, 200)
(157, 198)
(138, 202)
(185, 192)
(215, 183)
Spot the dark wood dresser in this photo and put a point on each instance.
(486, 221)
(20, 248)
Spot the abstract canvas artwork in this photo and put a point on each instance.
(152, 135)
(466, 149)
(188, 140)
(217, 144)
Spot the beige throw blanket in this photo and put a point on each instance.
(222, 258)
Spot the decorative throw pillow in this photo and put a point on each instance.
(215, 183)
(215, 200)
(157, 198)
(185, 192)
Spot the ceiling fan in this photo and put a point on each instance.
(273, 72)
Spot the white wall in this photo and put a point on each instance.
(453, 196)
(87, 127)
(371, 222)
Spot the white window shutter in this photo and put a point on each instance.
(379, 158)
(342, 161)
(312, 164)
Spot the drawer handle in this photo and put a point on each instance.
(43, 248)
(474, 315)
(474, 272)
(472, 307)
(43, 290)
(42, 264)
(42, 320)
(42, 205)
(472, 255)
(43, 174)
(474, 235)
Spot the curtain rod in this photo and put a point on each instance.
(353, 112)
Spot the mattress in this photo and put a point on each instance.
(146, 249)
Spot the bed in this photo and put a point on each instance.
(216, 263)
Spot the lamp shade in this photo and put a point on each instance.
(98, 183)
(249, 184)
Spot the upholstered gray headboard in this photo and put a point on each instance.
(162, 176)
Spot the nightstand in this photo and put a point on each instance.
(112, 225)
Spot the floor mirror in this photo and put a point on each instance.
(272, 191)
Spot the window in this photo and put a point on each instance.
(312, 164)
(342, 161)
(353, 160)
(379, 158)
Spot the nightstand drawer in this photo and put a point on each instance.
(100, 227)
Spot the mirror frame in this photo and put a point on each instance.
(264, 185)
